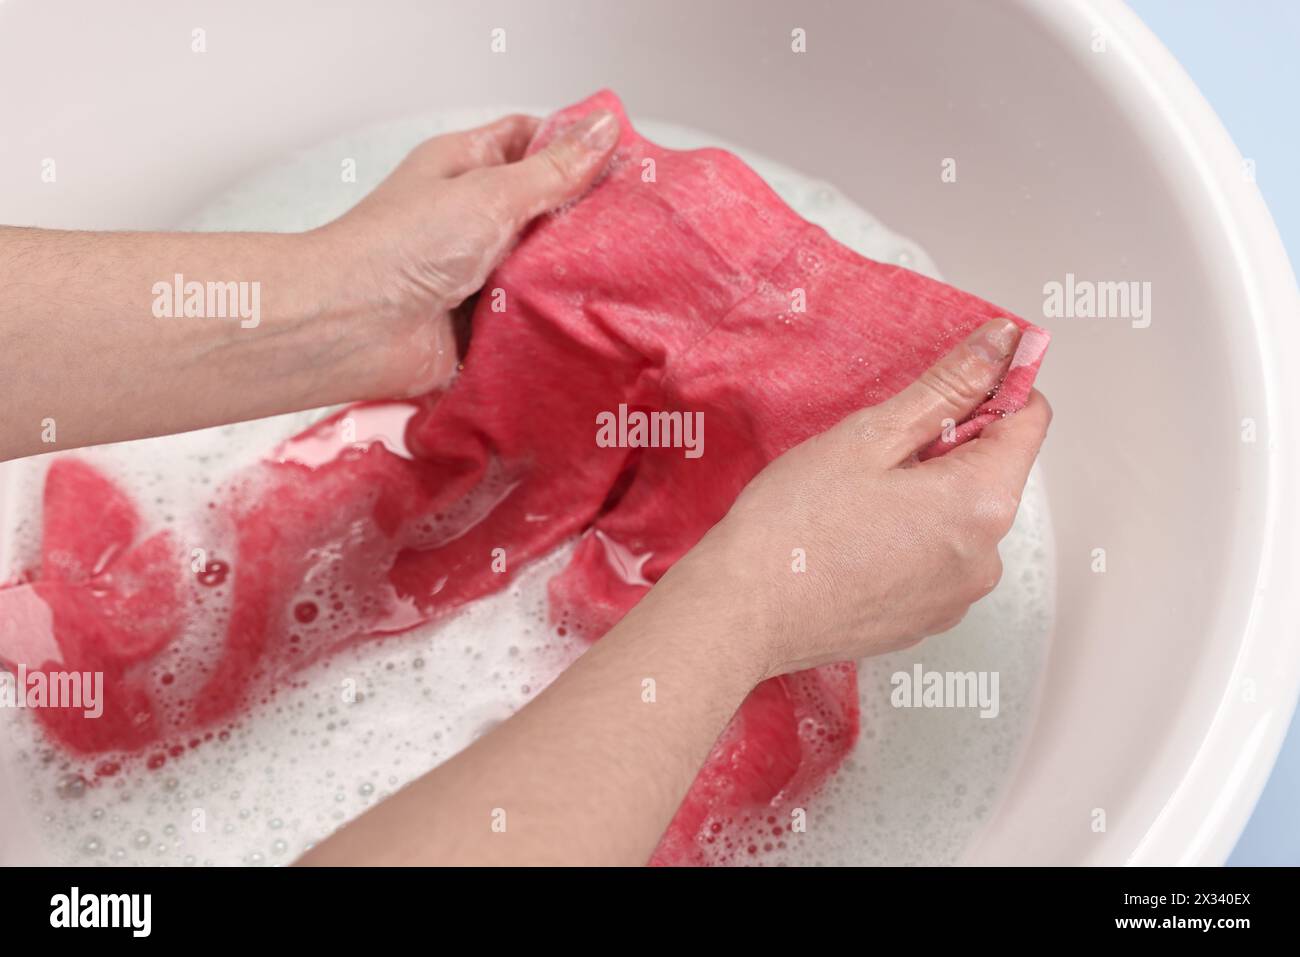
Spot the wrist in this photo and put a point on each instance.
(718, 623)
(394, 344)
(330, 318)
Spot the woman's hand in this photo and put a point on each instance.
(428, 236)
(358, 309)
(894, 550)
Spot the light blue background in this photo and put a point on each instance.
(1245, 57)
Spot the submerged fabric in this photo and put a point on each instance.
(680, 283)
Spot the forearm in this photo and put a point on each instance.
(98, 346)
(591, 771)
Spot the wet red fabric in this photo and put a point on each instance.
(680, 283)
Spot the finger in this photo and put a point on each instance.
(1004, 452)
(563, 170)
(497, 143)
(945, 394)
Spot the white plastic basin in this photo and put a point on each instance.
(1173, 674)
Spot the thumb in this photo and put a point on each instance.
(949, 390)
(563, 170)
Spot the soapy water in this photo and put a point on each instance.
(354, 727)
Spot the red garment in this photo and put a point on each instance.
(676, 284)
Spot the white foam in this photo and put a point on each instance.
(918, 786)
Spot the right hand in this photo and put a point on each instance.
(895, 549)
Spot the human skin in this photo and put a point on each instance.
(587, 773)
(358, 309)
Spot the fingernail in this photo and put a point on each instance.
(996, 339)
(596, 131)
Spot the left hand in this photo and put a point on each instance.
(428, 236)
